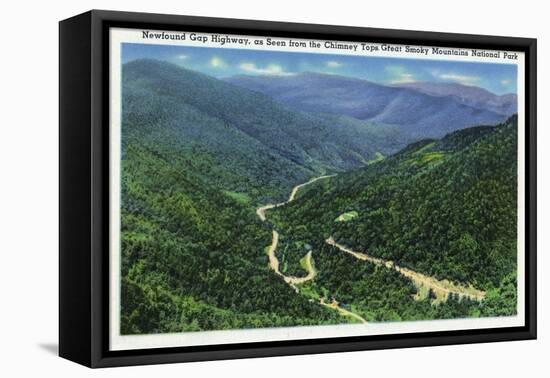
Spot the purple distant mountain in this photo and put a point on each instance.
(469, 95)
(413, 110)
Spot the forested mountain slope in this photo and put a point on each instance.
(253, 144)
(446, 208)
(187, 248)
(193, 249)
(199, 155)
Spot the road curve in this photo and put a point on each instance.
(334, 305)
(273, 260)
(260, 211)
(311, 272)
(310, 269)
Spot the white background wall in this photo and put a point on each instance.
(29, 189)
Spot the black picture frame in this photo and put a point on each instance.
(84, 188)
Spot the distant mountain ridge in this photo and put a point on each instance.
(413, 110)
(477, 97)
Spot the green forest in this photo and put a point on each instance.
(200, 156)
(445, 208)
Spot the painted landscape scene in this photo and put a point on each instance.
(265, 189)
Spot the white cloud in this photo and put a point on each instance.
(182, 56)
(399, 75)
(457, 78)
(405, 78)
(505, 82)
(271, 69)
(217, 63)
(333, 64)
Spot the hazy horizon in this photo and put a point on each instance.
(221, 63)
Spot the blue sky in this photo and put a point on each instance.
(217, 62)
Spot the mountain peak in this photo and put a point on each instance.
(470, 95)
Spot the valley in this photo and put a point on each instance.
(294, 282)
(282, 201)
(440, 290)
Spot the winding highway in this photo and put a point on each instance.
(311, 272)
(441, 288)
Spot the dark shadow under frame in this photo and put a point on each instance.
(84, 188)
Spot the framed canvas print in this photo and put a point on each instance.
(233, 188)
